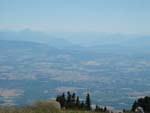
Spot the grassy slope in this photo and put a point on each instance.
(43, 111)
(42, 107)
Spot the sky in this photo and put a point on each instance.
(115, 16)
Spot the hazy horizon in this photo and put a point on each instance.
(128, 17)
(99, 47)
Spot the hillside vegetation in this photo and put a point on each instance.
(42, 108)
(67, 104)
(39, 107)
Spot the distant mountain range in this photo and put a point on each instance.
(38, 37)
(85, 43)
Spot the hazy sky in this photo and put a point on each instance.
(127, 16)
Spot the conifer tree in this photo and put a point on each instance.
(78, 102)
(88, 102)
(105, 109)
(73, 98)
(134, 106)
(97, 108)
(68, 100)
(82, 105)
(63, 100)
(57, 98)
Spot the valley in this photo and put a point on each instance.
(31, 71)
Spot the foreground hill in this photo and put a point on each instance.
(42, 108)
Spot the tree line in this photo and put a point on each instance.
(100, 109)
(71, 101)
(142, 102)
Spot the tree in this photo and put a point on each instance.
(73, 98)
(68, 99)
(97, 108)
(57, 98)
(100, 109)
(88, 102)
(144, 103)
(134, 106)
(62, 100)
(72, 102)
(105, 109)
(82, 105)
(78, 102)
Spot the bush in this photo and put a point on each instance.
(38, 107)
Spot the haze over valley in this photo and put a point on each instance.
(86, 56)
(115, 69)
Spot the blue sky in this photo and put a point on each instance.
(125, 16)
